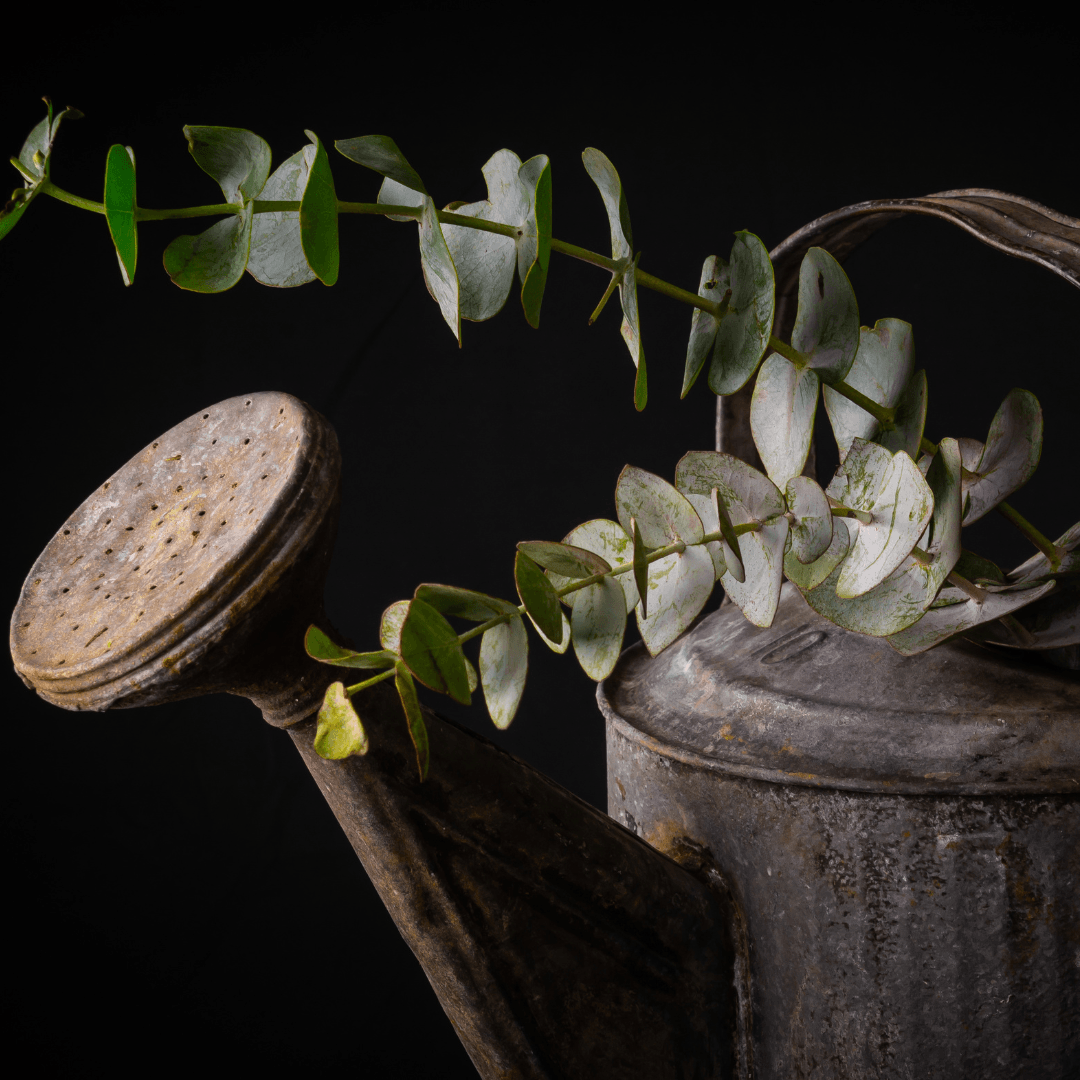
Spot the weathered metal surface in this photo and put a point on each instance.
(194, 569)
(900, 838)
(560, 945)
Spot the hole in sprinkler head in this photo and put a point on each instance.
(152, 588)
(154, 447)
(108, 551)
(181, 488)
(218, 527)
(108, 521)
(129, 528)
(246, 404)
(201, 513)
(246, 441)
(67, 532)
(63, 590)
(206, 416)
(265, 475)
(169, 541)
(107, 483)
(280, 411)
(213, 441)
(59, 662)
(154, 506)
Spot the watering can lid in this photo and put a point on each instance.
(806, 702)
(173, 551)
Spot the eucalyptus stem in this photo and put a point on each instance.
(49, 188)
(1033, 534)
(350, 690)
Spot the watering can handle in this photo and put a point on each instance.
(1019, 227)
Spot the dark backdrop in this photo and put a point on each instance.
(164, 893)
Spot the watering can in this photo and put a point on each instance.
(871, 874)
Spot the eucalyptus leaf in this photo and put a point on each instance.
(812, 529)
(663, 515)
(941, 623)
(679, 587)
(565, 559)
(440, 276)
(538, 596)
(485, 261)
(899, 501)
(1038, 565)
(718, 550)
(782, 417)
(504, 661)
(597, 624)
(236, 158)
(555, 646)
(826, 328)
(463, 603)
(978, 570)
(714, 284)
(277, 253)
(1010, 456)
(390, 626)
(319, 647)
(603, 174)
(430, 649)
(119, 205)
(1051, 622)
(534, 247)
(612, 543)
(214, 260)
(813, 574)
(34, 163)
(474, 679)
(319, 217)
(381, 154)
(339, 733)
(641, 567)
(910, 419)
(750, 498)
(883, 364)
(744, 331)
(410, 703)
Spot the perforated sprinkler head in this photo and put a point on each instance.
(194, 569)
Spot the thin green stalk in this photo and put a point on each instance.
(212, 210)
(1033, 534)
(388, 673)
(786, 351)
(49, 188)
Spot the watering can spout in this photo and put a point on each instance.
(559, 944)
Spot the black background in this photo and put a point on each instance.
(168, 867)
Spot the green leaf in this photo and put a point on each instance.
(598, 623)
(474, 679)
(663, 514)
(339, 734)
(534, 248)
(1010, 456)
(381, 154)
(558, 647)
(1039, 565)
(440, 276)
(120, 207)
(565, 559)
(963, 615)
(539, 598)
(813, 574)
(679, 587)
(882, 368)
(892, 490)
(430, 648)
(978, 570)
(277, 252)
(714, 284)
(782, 417)
(641, 567)
(910, 418)
(750, 498)
(812, 529)
(319, 647)
(406, 689)
(214, 260)
(485, 261)
(34, 154)
(743, 335)
(607, 181)
(826, 328)
(458, 603)
(394, 194)
(610, 541)
(236, 158)
(504, 663)
(393, 618)
(708, 509)
(319, 217)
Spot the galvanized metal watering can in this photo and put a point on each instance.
(794, 880)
